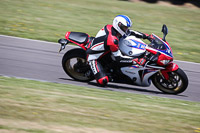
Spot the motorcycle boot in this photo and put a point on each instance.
(99, 73)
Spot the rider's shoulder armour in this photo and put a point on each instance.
(111, 39)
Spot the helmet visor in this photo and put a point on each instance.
(124, 28)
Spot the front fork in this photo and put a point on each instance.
(170, 68)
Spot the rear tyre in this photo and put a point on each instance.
(75, 65)
(176, 84)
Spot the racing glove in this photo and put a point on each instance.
(150, 37)
(147, 36)
(141, 35)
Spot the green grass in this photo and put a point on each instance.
(42, 107)
(49, 20)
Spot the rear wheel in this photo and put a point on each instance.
(176, 84)
(75, 65)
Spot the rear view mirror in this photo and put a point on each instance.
(165, 31)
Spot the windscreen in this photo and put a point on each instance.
(157, 44)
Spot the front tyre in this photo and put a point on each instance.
(176, 84)
(75, 65)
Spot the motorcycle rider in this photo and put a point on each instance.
(107, 40)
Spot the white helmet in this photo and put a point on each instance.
(121, 23)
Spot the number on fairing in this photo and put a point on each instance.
(138, 45)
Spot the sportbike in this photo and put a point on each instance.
(159, 67)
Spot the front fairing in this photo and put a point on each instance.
(161, 46)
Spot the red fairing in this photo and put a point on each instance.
(160, 57)
(110, 41)
(153, 51)
(170, 68)
(67, 35)
(81, 45)
(163, 57)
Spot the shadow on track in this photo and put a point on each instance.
(115, 87)
(121, 87)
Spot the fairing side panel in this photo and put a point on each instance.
(141, 78)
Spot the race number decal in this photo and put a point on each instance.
(138, 45)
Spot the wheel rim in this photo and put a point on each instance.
(172, 85)
(74, 67)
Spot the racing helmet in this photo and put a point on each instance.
(121, 23)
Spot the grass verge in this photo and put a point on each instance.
(49, 20)
(33, 106)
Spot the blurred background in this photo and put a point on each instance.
(174, 2)
(49, 20)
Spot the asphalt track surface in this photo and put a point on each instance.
(40, 60)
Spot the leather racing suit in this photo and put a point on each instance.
(106, 41)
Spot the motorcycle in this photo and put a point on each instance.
(158, 69)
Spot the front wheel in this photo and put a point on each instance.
(176, 84)
(75, 65)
